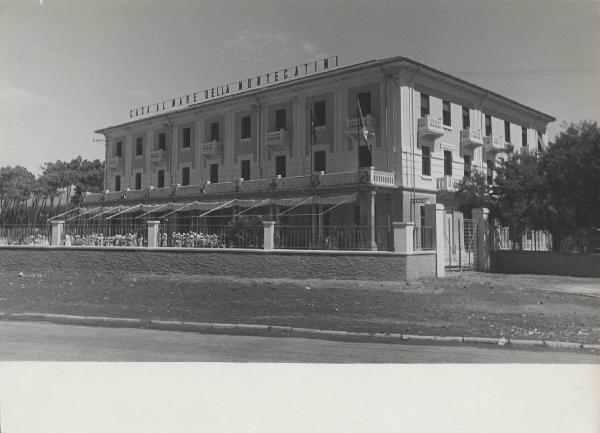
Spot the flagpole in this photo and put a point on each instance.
(358, 129)
(312, 131)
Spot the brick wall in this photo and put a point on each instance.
(247, 263)
(546, 262)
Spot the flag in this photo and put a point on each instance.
(363, 127)
(313, 131)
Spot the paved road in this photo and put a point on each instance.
(35, 341)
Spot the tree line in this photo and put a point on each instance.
(31, 200)
(556, 189)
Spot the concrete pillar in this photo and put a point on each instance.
(269, 235)
(481, 215)
(434, 218)
(58, 230)
(403, 237)
(367, 218)
(153, 233)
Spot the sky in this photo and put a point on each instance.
(69, 67)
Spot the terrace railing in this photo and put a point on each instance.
(25, 234)
(348, 238)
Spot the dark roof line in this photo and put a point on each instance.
(330, 73)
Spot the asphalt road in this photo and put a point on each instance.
(36, 341)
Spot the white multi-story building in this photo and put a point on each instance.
(297, 143)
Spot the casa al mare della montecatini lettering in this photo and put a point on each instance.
(235, 87)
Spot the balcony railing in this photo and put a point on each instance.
(429, 127)
(114, 162)
(493, 144)
(447, 183)
(93, 197)
(159, 155)
(470, 139)
(212, 147)
(354, 124)
(278, 140)
(135, 194)
(366, 176)
(190, 190)
(160, 192)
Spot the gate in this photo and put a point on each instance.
(460, 242)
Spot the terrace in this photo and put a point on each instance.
(319, 181)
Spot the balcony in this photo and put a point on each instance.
(470, 139)
(157, 156)
(114, 162)
(430, 128)
(211, 148)
(278, 140)
(447, 183)
(354, 125)
(493, 144)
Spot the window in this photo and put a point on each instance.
(320, 117)
(245, 169)
(139, 146)
(138, 181)
(422, 215)
(280, 165)
(214, 131)
(490, 171)
(447, 163)
(488, 124)
(185, 176)
(162, 141)
(119, 149)
(280, 118)
(364, 100)
(364, 157)
(424, 104)
(426, 161)
(320, 161)
(161, 178)
(214, 173)
(467, 166)
(246, 127)
(540, 141)
(117, 183)
(523, 136)
(466, 118)
(187, 138)
(507, 131)
(447, 117)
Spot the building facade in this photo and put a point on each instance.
(303, 150)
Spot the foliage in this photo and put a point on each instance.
(27, 200)
(472, 192)
(521, 194)
(571, 170)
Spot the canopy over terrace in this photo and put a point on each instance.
(149, 211)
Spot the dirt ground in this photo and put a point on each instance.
(463, 304)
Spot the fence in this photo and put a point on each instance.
(531, 240)
(349, 238)
(213, 236)
(422, 238)
(127, 232)
(25, 234)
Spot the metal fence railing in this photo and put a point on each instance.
(213, 236)
(106, 233)
(530, 240)
(25, 234)
(422, 238)
(349, 238)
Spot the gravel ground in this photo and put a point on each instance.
(467, 304)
